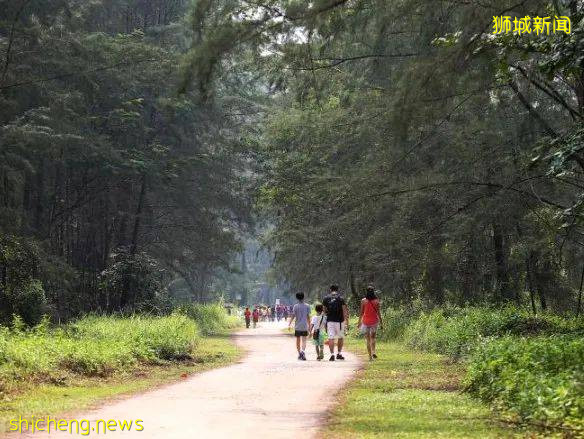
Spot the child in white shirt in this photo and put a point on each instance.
(318, 331)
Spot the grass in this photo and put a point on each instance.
(75, 392)
(211, 318)
(49, 370)
(408, 394)
(529, 368)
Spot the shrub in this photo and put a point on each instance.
(22, 293)
(136, 281)
(529, 367)
(457, 331)
(94, 346)
(539, 380)
(148, 338)
(395, 322)
(30, 302)
(211, 318)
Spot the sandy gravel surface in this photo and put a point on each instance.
(268, 394)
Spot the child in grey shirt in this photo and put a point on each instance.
(300, 313)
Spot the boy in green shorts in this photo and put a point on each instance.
(318, 330)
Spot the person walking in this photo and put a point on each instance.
(337, 321)
(370, 319)
(247, 315)
(256, 316)
(317, 330)
(300, 314)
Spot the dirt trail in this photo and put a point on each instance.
(268, 394)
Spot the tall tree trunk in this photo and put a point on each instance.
(40, 197)
(541, 277)
(579, 305)
(138, 216)
(352, 286)
(529, 283)
(128, 295)
(434, 275)
(502, 290)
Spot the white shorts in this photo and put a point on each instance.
(335, 330)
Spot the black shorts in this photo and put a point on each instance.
(301, 333)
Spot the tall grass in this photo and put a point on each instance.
(457, 331)
(102, 345)
(211, 318)
(93, 346)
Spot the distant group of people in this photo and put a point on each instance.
(332, 320)
(261, 313)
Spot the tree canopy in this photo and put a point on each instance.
(404, 143)
(409, 146)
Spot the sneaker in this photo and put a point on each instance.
(332, 358)
(340, 357)
(303, 356)
(300, 356)
(374, 355)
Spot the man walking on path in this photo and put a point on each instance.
(337, 321)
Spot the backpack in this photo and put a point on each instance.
(334, 306)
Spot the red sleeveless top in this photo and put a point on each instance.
(370, 308)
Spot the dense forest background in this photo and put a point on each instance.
(398, 143)
(410, 147)
(112, 183)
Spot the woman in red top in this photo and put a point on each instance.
(247, 315)
(370, 319)
(255, 316)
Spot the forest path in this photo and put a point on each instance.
(268, 393)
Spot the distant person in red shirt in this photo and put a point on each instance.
(247, 314)
(256, 316)
(370, 320)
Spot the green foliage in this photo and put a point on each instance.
(536, 380)
(211, 319)
(458, 331)
(529, 367)
(148, 338)
(99, 156)
(20, 292)
(138, 278)
(408, 394)
(396, 321)
(94, 346)
(30, 302)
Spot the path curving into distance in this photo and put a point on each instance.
(269, 393)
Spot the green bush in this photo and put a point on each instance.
(22, 293)
(395, 322)
(94, 346)
(148, 338)
(538, 380)
(457, 331)
(211, 318)
(30, 302)
(529, 367)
